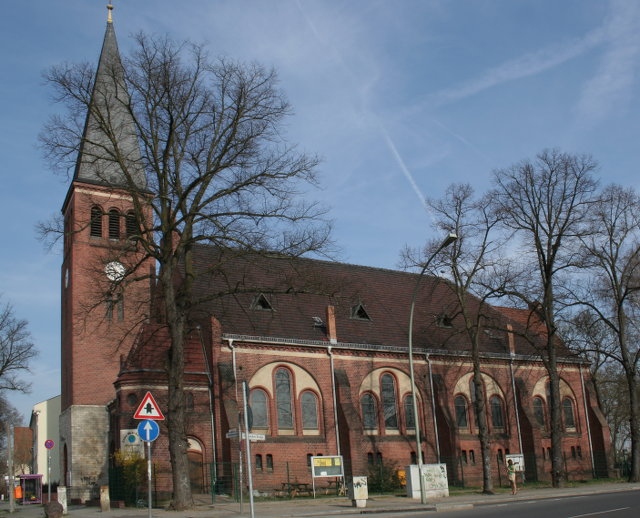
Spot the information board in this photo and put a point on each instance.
(517, 459)
(327, 466)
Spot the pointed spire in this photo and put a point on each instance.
(109, 152)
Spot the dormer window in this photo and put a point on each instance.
(261, 303)
(444, 321)
(359, 313)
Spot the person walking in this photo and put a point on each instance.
(511, 475)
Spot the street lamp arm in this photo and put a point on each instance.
(448, 240)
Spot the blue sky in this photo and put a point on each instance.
(399, 98)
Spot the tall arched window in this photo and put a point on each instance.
(114, 224)
(369, 412)
(569, 416)
(409, 417)
(258, 404)
(131, 224)
(538, 411)
(283, 399)
(309, 408)
(462, 413)
(96, 222)
(497, 412)
(389, 406)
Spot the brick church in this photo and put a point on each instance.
(327, 374)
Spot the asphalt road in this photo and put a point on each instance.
(624, 504)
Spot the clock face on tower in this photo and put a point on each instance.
(115, 271)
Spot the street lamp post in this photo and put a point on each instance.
(449, 239)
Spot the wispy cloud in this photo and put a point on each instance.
(612, 84)
(523, 66)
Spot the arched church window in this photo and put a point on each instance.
(497, 412)
(309, 408)
(258, 404)
(114, 224)
(569, 416)
(95, 229)
(538, 411)
(462, 412)
(283, 399)
(389, 406)
(369, 412)
(409, 417)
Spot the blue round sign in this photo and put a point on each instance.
(148, 430)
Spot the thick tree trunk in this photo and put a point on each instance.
(634, 426)
(176, 322)
(480, 408)
(555, 411)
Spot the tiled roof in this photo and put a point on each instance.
(301, 289)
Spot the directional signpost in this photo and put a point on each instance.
(148, 430)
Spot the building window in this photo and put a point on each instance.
(497, 412)
(388, 396)
(538, 411)
(258, 404)
(95, 229)
(370, 459)
(132, 399)
(414, 458)
(269, 462)
(131, 224)
(309, 455)
(114, 302)
(258, 462)
(114, 224)
(462, 414)
(409, 417)
(500, 456)
(359, 313)
(567, 409)
(444, 321)
(573, 452)
(309, 408)
(579, 450)
(464, 457)
(283, 399)
(188, 401)
(369, 412)
(261, 303)
(472, 457)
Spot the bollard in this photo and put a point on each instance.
(105, 504)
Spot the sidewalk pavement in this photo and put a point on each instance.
(322, 507)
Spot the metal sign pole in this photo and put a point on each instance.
(149, 476)
(49, 472)
(248, 447)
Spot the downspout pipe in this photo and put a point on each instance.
(335, 398)
(586, 418)
(515, 402)
(214, 456)
(433, 409)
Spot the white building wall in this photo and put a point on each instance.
(45, 418)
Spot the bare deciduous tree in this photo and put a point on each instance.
(470, 260)
(218, 172)
(16, 350)
(611, 253)
(545, 201)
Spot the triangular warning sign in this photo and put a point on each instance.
(149, 409)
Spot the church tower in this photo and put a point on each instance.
(102, 309)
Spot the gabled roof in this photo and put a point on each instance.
(301, 289)
(108, 121)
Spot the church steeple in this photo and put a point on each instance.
(109, 152)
